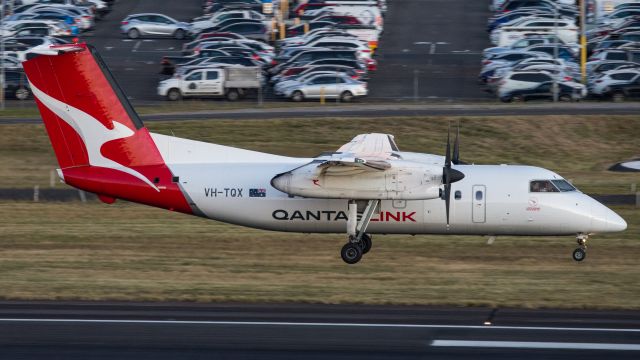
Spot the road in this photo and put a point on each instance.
(60, 330)
(339, 112)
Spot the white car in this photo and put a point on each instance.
(341, 42)
(57, 28)
(600, 85)
(209, 21)
(565, 28)
(521, 80)
(329, 86)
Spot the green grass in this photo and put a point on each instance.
(125, 251)
(580, 148)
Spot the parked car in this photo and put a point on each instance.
(16, 85)
(329, 86)
(602, 85)
(142, 25)
(566, 92)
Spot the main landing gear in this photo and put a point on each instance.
(359, 242)
(581, 252)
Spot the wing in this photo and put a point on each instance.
(374, 145)
(366, 152)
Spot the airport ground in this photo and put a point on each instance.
(131, 252)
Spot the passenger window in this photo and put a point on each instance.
(458, 195)
(194, 77)
(542, 186)
(212, 75)
(478, 195)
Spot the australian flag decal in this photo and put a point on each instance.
(257, 192)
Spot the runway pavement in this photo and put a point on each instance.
(77, 330)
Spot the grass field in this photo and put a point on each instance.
(580, 148)
(130, 252)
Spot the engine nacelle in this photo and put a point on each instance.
(403, 181)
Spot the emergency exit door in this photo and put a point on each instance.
(479, 202)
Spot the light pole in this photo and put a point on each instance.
(555, 51)
(2, 74)
(583, 41)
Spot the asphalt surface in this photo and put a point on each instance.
(136, 63)
(62, 330)
(429, 49)
(384, 111)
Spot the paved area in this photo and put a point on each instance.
(67, 330)
(430, 48)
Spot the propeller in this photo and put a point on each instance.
(456, 148)
(450, 175)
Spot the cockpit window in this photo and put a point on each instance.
(563, 185)
(542, 186)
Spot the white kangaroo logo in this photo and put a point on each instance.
(93, 133)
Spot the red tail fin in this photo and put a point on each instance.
(99, 140)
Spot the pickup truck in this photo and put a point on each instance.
(231, 82)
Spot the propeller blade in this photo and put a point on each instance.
(456, 148)
(447, 199)
(447, 156)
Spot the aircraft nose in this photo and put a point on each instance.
(604, 219)
(281, 182)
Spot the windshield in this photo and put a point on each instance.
(563, 185)
(550, 186)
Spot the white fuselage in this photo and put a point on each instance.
(234, 185)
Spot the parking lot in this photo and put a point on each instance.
(423, 52)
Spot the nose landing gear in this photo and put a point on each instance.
(581, 252)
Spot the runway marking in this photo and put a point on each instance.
(535, 345)
(319, 324)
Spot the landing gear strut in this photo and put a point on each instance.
(581, 252)
(359, 242)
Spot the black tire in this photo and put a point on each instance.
(179, 34)
(297, 96)
(351, 253)
(617, 96)
(517, 98)
(565, 98)
(505, 99)
(346, 96)
(133, 33)
(365, 243)
(233, 95)
(22, 94)
(579, 254)
(174, 94)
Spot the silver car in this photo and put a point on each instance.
(329, 86)
(137, 25)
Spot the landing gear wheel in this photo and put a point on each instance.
(133, 34)
(365, 243)
(579, 254)
(351, 253)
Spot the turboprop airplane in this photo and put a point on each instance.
(368, 186)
